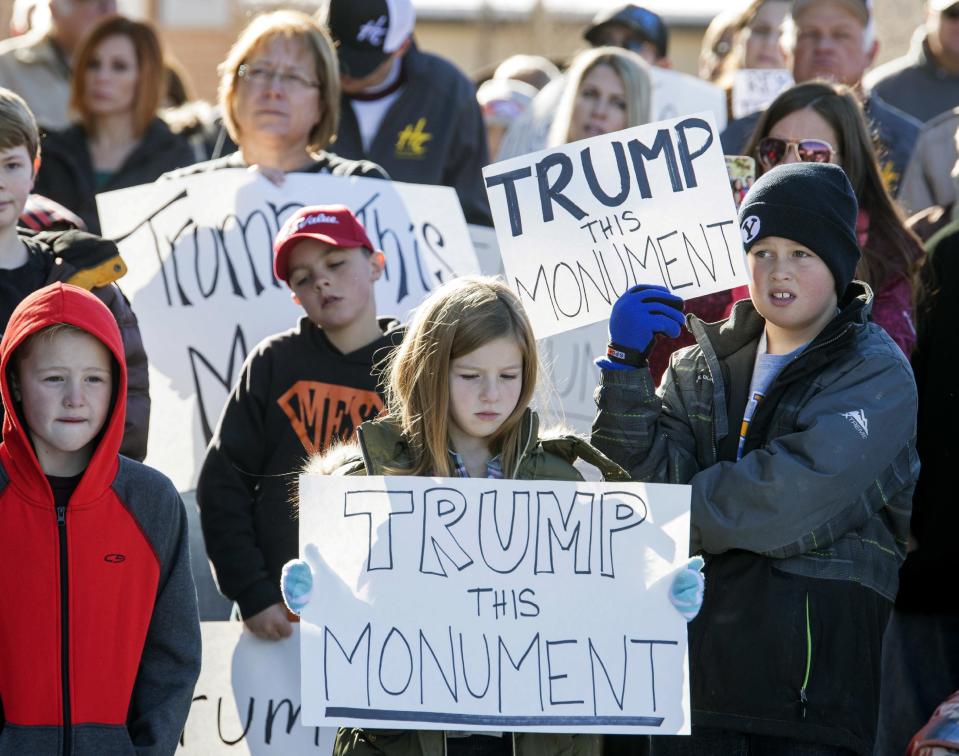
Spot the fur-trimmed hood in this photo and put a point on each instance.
(380, 445)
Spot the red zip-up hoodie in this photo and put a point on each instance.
(99, 636)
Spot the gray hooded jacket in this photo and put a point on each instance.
(816, 511)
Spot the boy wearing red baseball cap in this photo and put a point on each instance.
(298, 392)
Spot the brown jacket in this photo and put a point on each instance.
(32, 67)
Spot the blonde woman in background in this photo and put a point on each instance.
(607, 89)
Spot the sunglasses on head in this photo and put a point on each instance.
(772, 150)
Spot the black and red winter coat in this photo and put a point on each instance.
(99, 636)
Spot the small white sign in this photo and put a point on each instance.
(755, 88)
(677, 94)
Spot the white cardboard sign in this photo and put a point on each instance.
(580, 224)
(755, 88)
(677, 94)
(199, 253)
(494, 605)
(247, 700)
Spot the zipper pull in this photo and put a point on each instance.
(61, 516)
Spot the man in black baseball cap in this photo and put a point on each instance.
(631, 27)
(413, 113)
(369, 33)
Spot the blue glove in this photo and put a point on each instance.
(296, 583)
(686, 592)
(642, 313)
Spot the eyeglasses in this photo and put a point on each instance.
(262, 76)
(772, 150)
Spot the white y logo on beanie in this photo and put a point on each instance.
(373, 32)
(750, 228)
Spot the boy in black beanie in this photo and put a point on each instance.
(794, 422)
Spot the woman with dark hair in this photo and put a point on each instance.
(824, 123)
(118, 140)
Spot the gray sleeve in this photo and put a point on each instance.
(915, 193)
(170, 663)
(805, 489)
(647, 434)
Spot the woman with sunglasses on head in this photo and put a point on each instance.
(823, 123)
(280, 101)
(118, 139)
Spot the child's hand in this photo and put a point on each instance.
(686, 592)
(271, 624)
(641, 314)
(296, 583)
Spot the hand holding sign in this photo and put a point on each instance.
(686, 593)
(296, 583)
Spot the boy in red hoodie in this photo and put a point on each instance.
(99, 636)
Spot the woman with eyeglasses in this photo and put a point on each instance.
(280, 101)
(118, 140)
(824, 123)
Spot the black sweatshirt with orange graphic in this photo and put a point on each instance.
(295, 395)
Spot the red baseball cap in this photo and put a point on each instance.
(334, 224)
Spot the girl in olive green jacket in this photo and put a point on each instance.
(458, 399)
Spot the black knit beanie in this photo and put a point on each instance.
(809, 203)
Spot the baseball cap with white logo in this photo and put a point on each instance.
(368, 31)
(334, 224)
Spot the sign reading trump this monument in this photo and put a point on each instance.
(580, 224)
(493, 605)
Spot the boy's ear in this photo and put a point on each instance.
(36, 166)
(296, 299)
(377, 263)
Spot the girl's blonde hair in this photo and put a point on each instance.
(632, 70)
(458, 318)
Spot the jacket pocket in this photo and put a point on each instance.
(103, 739)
